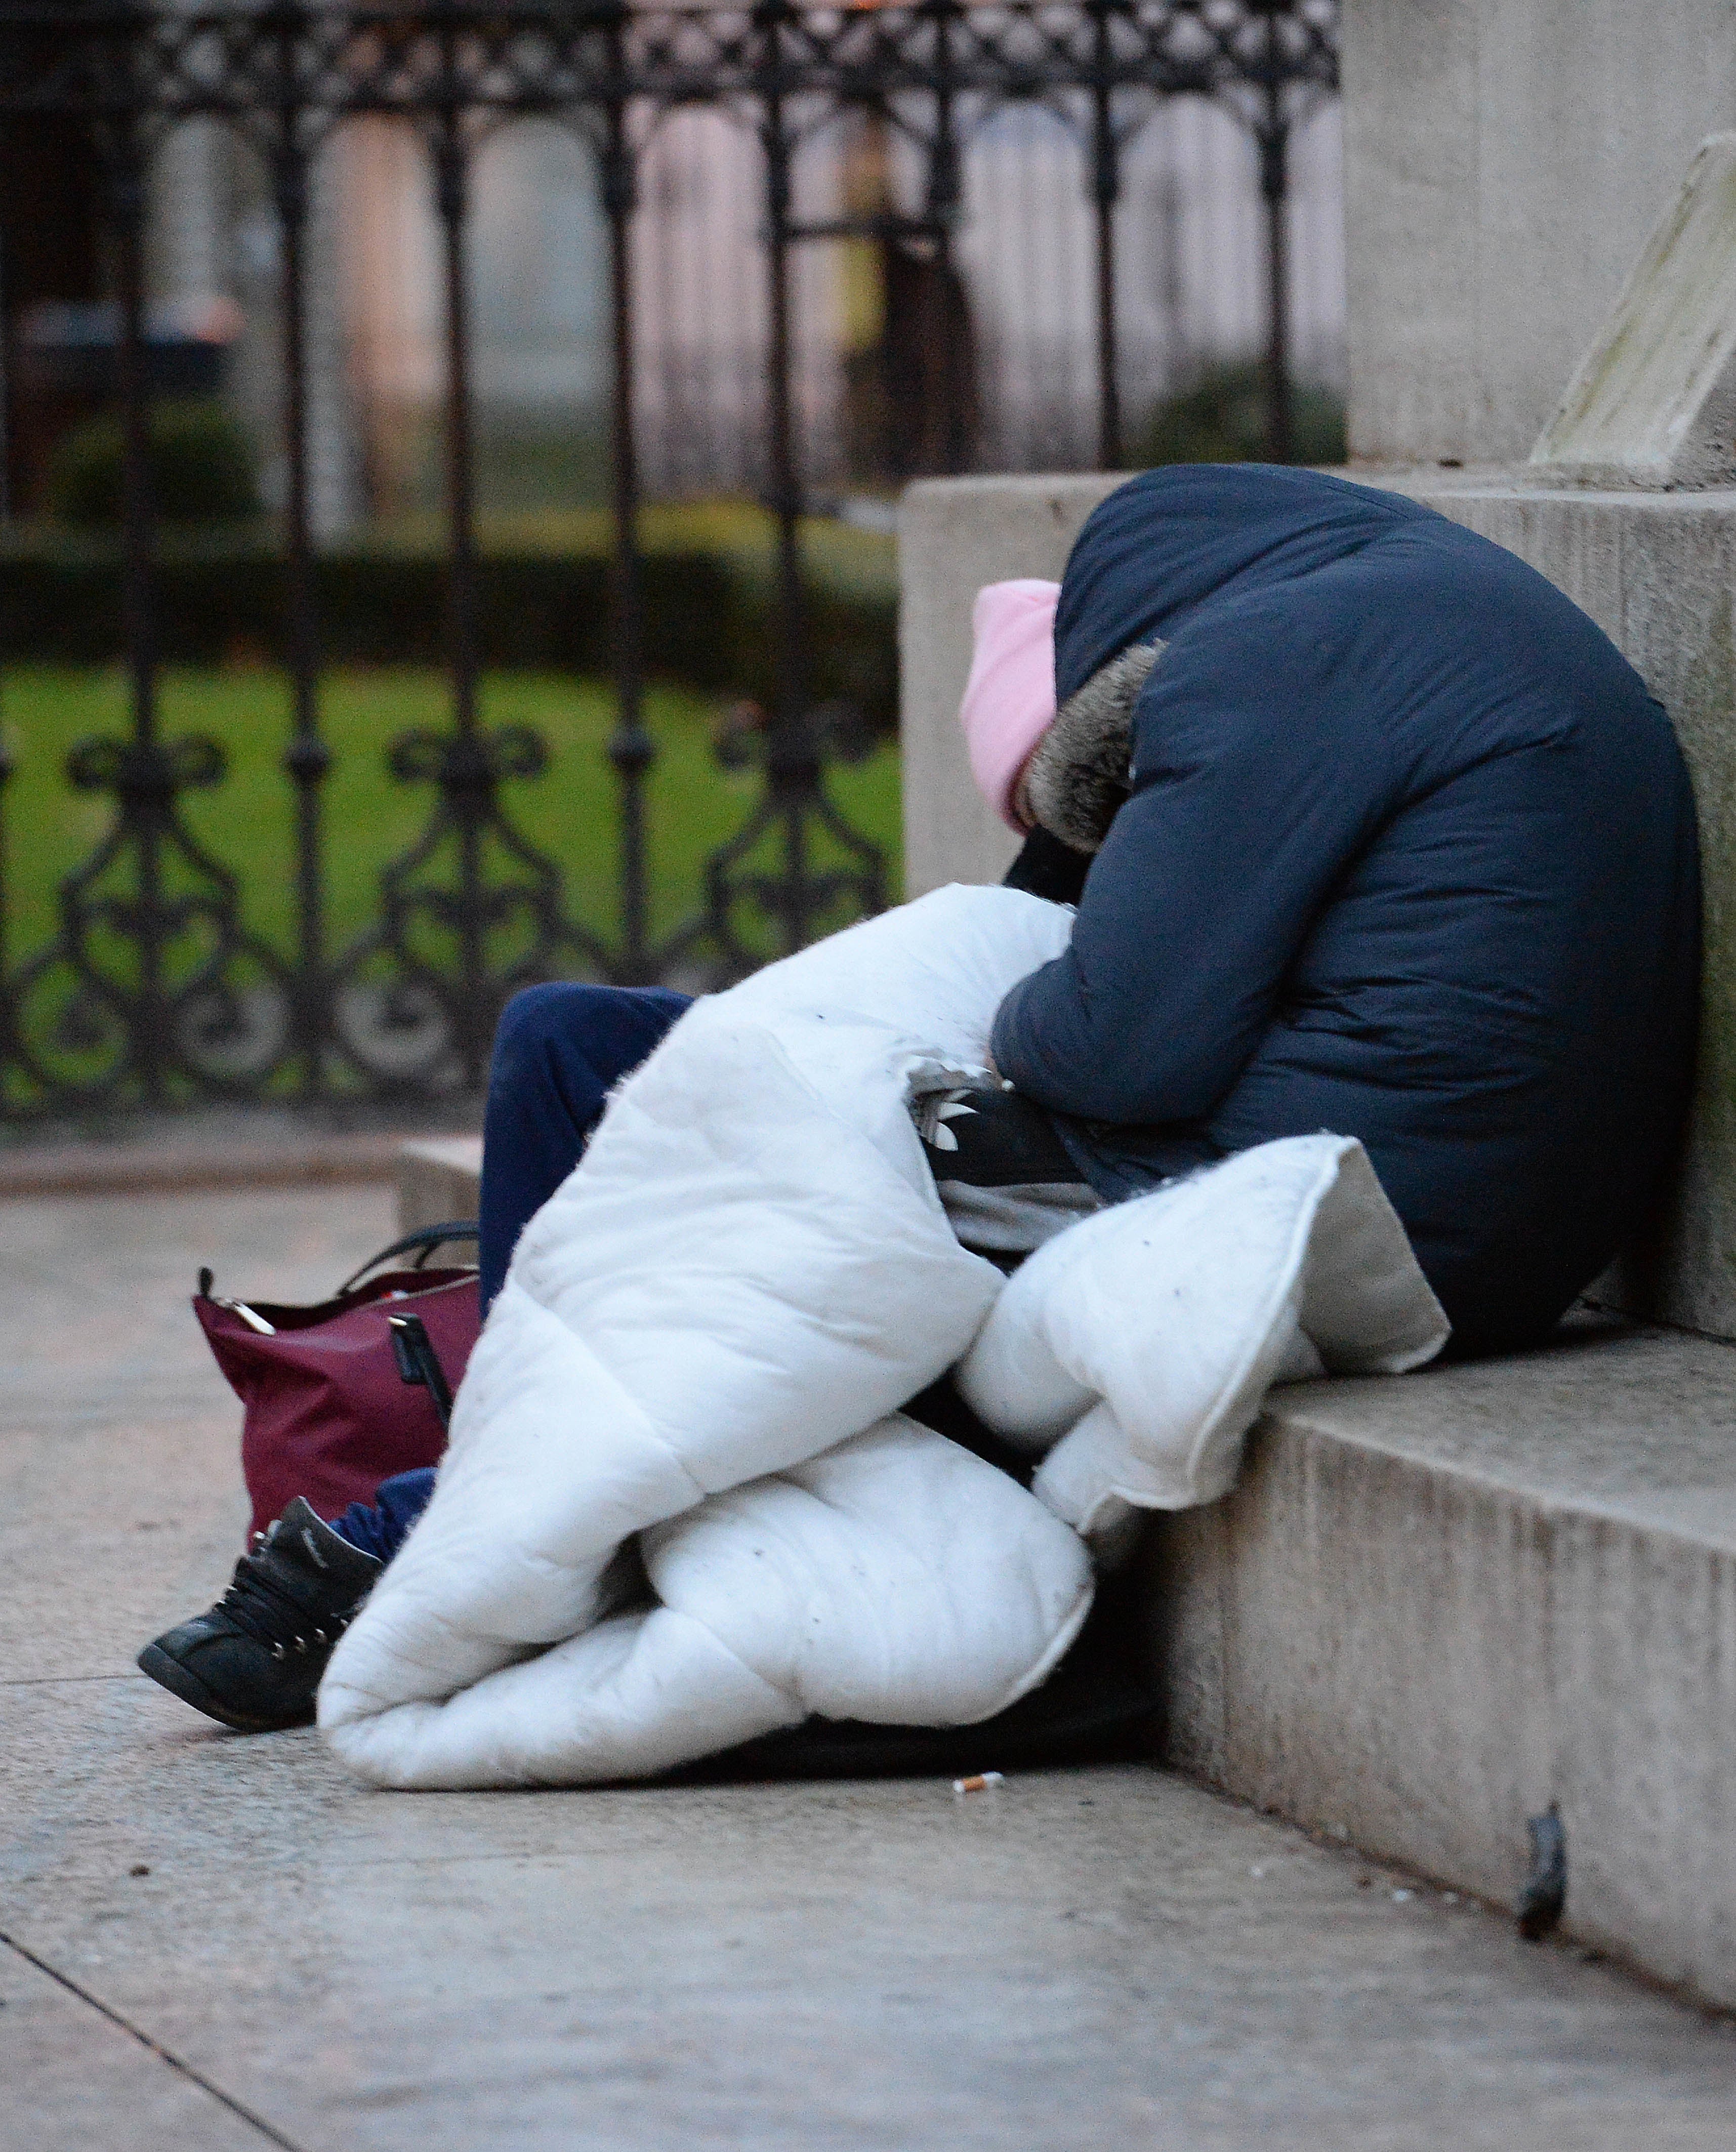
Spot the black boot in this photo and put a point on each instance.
(255, 1661)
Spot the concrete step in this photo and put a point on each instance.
(268, 1155)
(1437, 1603)
(438, 1179)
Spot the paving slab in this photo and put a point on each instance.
(113, 1418)
(1082, 1959)
(76, 2078)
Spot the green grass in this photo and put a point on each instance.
(247, 822)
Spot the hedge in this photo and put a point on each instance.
(708, 622)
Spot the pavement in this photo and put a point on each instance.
(210, 1941)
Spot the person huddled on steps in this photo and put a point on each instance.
(1370, 830)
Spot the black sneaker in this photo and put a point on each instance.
(255, 1661)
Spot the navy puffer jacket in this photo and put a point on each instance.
(1410, 855)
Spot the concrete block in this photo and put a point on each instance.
(440, 1179)
(954, 535)
(1504, 162)
(220, 1155)
(1653, 402)
(1435, 1604)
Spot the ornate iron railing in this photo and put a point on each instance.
(152, 988)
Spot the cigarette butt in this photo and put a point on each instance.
(979, 1782)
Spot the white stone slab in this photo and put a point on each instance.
(1653, 401)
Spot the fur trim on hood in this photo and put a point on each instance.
(1078, 775)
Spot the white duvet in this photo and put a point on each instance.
(681, 1508)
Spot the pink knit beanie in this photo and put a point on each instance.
(1009, 699)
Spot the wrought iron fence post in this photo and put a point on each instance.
(945, 189)
(792, 761)
(467, 782)
(9, 1039)
(126, 178)
(307, 760)
(452, 204)
(504, 895)
(1105, 192)
(1274, 140)
(631, 749)
(151, 980)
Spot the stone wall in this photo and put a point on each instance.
(1505, 162)
(954, 535)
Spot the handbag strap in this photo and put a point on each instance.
(422, 1244)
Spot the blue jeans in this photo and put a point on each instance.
(558, 1052)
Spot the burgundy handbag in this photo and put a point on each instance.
(339, 1397)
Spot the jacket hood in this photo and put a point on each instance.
(1172, 539)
